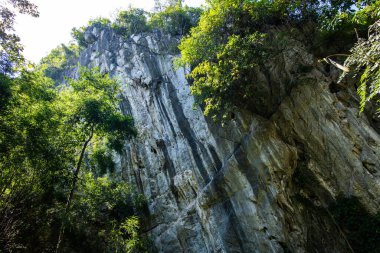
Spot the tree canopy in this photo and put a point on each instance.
(46, 134)
(175, 19)
(10, 47)
(172, 18)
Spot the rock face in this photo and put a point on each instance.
(255, 185)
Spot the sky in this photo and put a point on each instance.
(57, 17)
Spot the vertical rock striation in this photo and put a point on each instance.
(258, 184)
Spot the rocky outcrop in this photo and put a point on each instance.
(255, 185)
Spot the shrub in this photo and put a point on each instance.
(175, 19)
(130, 22)
(221, 91)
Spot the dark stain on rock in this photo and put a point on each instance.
(215, 157)
(168, 165)
(234, 234)
(164, 111)
(125, 106)
(207, 158)
(247, 169)
(186, 130)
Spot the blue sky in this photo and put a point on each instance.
(57, 17)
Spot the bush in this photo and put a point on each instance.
(175, 19)
(221, 91)
(130, 22)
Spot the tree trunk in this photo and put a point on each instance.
(73, 187)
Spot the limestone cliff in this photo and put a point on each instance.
(256, 185)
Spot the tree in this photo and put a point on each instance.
(43, 133)
(92, 112)
(175, 19)
(10, 46)
(102, 217)
(34, 158)
(175, 2)
(58, 60)
(160, 5)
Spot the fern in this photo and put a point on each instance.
(366, 55)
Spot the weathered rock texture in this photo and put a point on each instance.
(255, 185)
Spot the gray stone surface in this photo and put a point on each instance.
(255, 185)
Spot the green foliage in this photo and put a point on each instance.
(29, 124)
(35, 158)
(130, 22)
(5, 90)
(218, 91)
(102, 218)
(42, 132)
(127, 229)
(223, 50)
(10, 46)
(175, 19)
(343, 15)
(364, 61)
(223, 80)
(102, 161)
(340, 30)
(58, 60)
(361, 228)
(91, 107)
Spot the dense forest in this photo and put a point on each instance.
(60, 189)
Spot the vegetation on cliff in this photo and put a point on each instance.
(364, 60)
(174, 19)
(234, 37)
